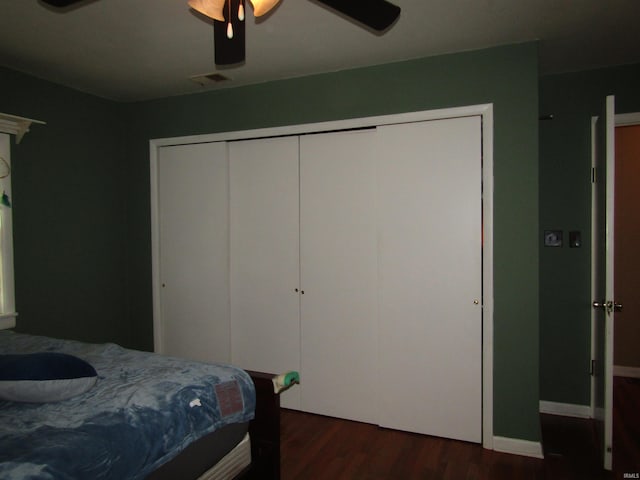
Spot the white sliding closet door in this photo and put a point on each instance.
(265, 256)
(430, 231)
(338, 274)
(193, 250)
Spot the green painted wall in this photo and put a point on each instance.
(81, 192)
(565, 204)
(68, 211)
(506, 77)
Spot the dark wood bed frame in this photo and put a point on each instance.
(264, 430)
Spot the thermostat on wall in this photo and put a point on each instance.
(553, 238)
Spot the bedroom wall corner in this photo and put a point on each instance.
(69, 212)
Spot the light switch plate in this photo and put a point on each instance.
(575, 239)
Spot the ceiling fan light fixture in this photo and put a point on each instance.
(260, 7)
(210, 8)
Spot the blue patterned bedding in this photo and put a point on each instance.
(143, 410)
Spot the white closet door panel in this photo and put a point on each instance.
(338, 274)
(264, 216)
(194, 246)
(430, 215)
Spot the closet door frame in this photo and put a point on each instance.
(485, 111)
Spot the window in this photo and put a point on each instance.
(7, 299)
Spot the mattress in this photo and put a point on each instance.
(142, 412)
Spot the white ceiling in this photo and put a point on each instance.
(131, 50)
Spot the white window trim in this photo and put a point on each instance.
(7, 294)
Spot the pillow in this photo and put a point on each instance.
(44, 377)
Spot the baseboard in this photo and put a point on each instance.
(622, 371)
(515, 446)
(8, 321)
(565, 409)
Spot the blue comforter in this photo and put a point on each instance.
(143, 410)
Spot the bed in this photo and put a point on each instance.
(131, 415)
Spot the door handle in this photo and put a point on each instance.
(608, 306)
(602, 305)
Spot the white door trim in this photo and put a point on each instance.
(483, 110)
(594, 121)
(621, 119)
(625, 119)
(7, 293)
(610, 293)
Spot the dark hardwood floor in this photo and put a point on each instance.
(316, 447)
(571, 449)
(626, 426)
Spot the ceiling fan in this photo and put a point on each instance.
(229, 26)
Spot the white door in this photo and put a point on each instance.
(603, 272)
(610, 291)
(193, 251)
(338, 248)
(430, 274)
(265, 257)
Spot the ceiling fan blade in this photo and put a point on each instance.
(229, 51)
(61, 3)
(376, 14)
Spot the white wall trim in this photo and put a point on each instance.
(598, 414)
(565, 409)
(155, 247)
(483, 110)
(624, 371)
(623, 119)
(8, 320)
(594, 233)
(440, 114)
(516, 446)
(14, 125)
(7, 293)
(487, 277)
